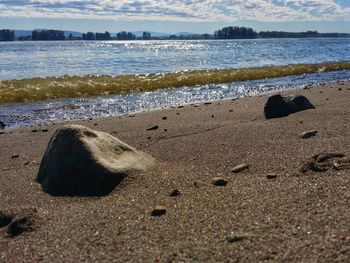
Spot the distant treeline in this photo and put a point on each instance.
(248, 33)
(224, 33)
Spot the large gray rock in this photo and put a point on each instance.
(278, 106)
(83, 162)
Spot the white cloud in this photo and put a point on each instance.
(175, 10)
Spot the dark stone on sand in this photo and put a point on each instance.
(219, 181)
(240, 168)
(18, 226)
(82, 162)
(326, 161)
(208, 103)
(14, 156)
(164, 118)
(271, 176)
(236, 238)
(326, 156)
(175, 193)
(278, 106)
(156, 127)
(2, 125)
(308, 134)
(158, 211)
(5, 219)
(45, 130)
(35, 130)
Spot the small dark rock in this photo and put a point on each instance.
(240, 168)
(340, 89)
(271, 176)
(175, 193)
(5, 219)
(35, 130)
(14, 156)
(164, 118)
(17, 227)
(180, 107)
(236, 238)
(45, 130)
(212, 116)
(278, 106)
(2, 125)
(95, 124)
(219, 181)
(156, 127)
(177, 113)
(158, 211)
(308, 134)
(208, 103)
(326, 156)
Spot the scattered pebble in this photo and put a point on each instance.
(95, 124)
(35, 130)
(236, 238)
(218, 181)
(156, 127)
(240, 168)
(271, 176)
(340, 89)
(158, 211)
(177, 113)
(18, 226)
(14, 156)
(45, 130)
(230, 110)
(180, 107)
(199, 184)
(175, 193)
(208, 103)
(308, 134)
(165, 130)
(5, 219)
(164, 118)
(212, 116)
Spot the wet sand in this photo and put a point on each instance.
(293, 217)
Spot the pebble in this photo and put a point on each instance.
(158, 211)
(199, 184)
(240, 168)
(308, 134)
(218, 181)
(18, 226)
(208, 103)
(236, 238)
(14, 156)
(175, 193)
(5, 219)
(271, 176)
(164, 118)
(156, 127)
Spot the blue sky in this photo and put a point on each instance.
(172, 16)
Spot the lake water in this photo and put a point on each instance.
(19, 60)
(38, 59)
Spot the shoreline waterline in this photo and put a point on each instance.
(61, 110)
(49, 88)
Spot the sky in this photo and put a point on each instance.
(171, 16)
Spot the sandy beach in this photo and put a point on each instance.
(288, 217)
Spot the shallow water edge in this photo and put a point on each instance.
(41, 89)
